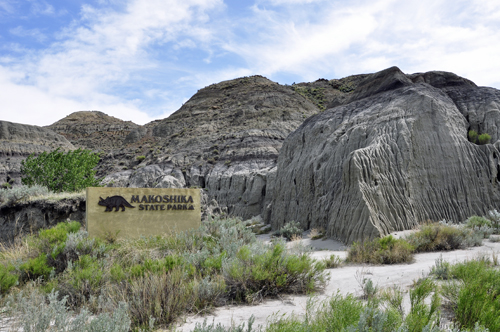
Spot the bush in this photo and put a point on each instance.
(290, 230)
(140, 158)
(473, 136)
(386, 250)
(476, 222)
(438, 236)
(35, 314)
(494, 217)
(477, 295)
(484, 139)
(160, 277)
(163, 297)
(59, 171)
(252, 275)
(7, 280)
(21, 193)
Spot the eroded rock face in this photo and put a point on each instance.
(96, 130)
(29, 217)
(394, 155)
(225, 139)
(17, 141)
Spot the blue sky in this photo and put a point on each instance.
(139, 60)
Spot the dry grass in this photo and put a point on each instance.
(317, 233)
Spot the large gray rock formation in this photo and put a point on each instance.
(393, 154)
(224, 139)
(17, 141)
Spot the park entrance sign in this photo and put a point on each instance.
(135, 212)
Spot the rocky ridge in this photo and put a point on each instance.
(373, 153)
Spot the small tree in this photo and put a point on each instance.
(484, 139)
(60, 171)
(473, 136)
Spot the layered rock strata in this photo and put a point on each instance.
(29, 217)
(17, 141)
(394, 154)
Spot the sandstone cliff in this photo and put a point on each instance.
(391, 155)
(17, 141)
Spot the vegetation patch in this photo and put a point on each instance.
(386, 250)
(154, 279)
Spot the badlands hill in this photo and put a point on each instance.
(361, 156)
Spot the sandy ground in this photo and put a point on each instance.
(343, 280)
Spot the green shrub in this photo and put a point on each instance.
(437, 236)
(36, 268)
(140, 158)
(475, 222)
(155, 266)
(59, 233)
(35, 314)
(60, 171)
(7, 279)
(251, 276)
(494, 217)
(332, 262)
(441, 270)
(473, 136)
(422, 314)
(386, 250)
(163, 297)
(289, 230)
(477, 295)
(484, 139)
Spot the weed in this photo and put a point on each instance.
(421, 314)
(316, 233)
(221, 328)
(332, 262)
(394, 298)
(476, 296)
(441, 270)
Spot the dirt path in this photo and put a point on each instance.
(342, 279)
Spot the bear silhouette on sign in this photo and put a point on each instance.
(114, 202)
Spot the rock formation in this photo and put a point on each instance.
(17, 141)
(225, 139)
(391, 155)
(94, 130)
(28, 217)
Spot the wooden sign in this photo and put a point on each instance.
(132, 212)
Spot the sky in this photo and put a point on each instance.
(140, 60)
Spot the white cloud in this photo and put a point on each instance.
(93, 59)
(345, 38)
(41, 8)
(34, 33)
